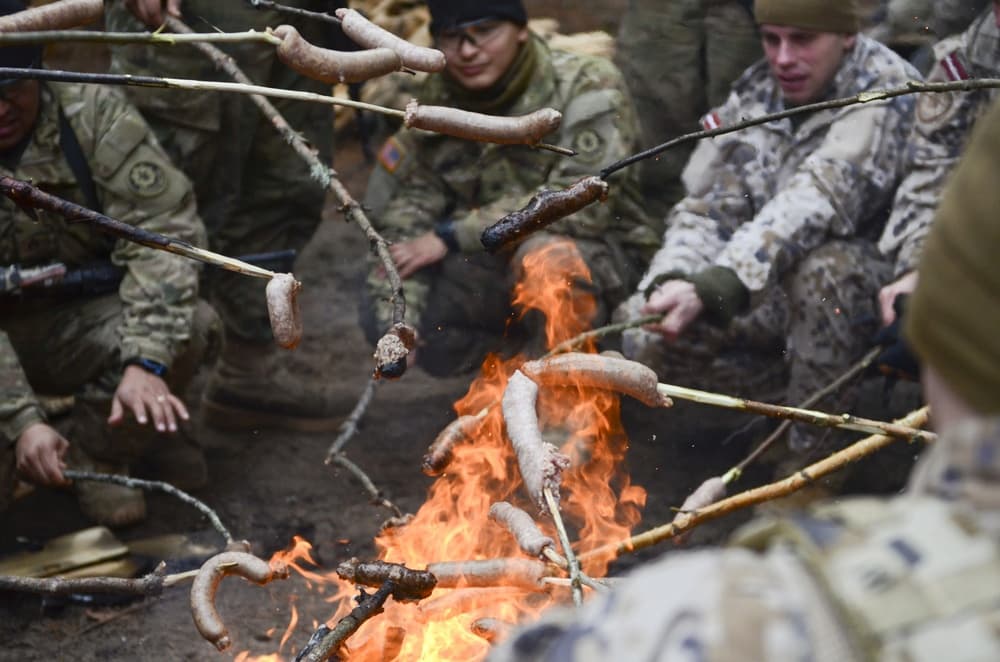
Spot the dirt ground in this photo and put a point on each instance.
(268, 486)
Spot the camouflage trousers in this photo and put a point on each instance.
(462, 308)
(706, 45)
(254, 192)
(79, 356)
(800, 337)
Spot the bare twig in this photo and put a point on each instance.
(28, 196)
(378, 497)
(155, 486)
(154, 38)
(148, 585)
(573, 562)
(758, 495)
(328, 643)
(294, 11)
(596, 334)
(349, 427)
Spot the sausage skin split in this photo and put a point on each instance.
(522, 573)
(283, 310)
(330, 66)
(521, 130)
(545, 208)
(601, 372)
(365, 33)
(531, 540)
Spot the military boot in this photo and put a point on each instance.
(252, 388)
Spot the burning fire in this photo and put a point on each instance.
(599, 503)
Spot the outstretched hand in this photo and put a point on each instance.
(679, 304)
(903, 286)
(151, 12)
(39, 455)
(146, 396)
(415, 254)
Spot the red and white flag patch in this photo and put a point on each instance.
(953, 67)
(711, 121)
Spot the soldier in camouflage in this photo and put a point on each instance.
(255, 194)
(915, 577)
(433, 195)
(940, 130)
(915, 22)
(770, 263)
(706, 45)
(126, 356)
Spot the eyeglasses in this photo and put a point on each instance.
(478, 34)
(11, 89)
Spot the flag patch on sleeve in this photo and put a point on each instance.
(711, 121)
(391, 154)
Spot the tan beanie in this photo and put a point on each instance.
(818, 15)
(953, 318)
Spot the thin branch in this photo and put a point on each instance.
(912, 87)
(155, 38)
(687, 521)
(349, 427)
(294, 11)
(597, 334)
(573, 562)
(148, 585)
(378, 497)
(323, 646)
(155, 486)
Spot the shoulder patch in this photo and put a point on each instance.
(147, 179)
(391, 154)
(932, 107)
(587, 142)
(711, 121)
(953, 67)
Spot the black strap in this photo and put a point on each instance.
(748, 5)
(73, 152)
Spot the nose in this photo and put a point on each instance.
(467, 48)
(786, 54)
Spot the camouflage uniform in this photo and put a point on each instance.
(76, 346)
(793, 209)
(707, 45)
(253, 191)
(914, 578)
(941, 125)
(915, 22)
(461, 305)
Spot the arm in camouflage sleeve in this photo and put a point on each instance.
(18, 406)
(599, 123)
(852, 172)
(141, 187)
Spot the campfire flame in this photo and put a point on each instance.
(599, 503)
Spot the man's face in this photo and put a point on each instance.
(480, 54)
(802, 61)
(19, 104)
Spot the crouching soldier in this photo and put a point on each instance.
(125, 355)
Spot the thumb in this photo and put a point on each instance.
(117, 411)
(174, 8)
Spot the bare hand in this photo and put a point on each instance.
(679, 304)
(415, 254)
(39, 453)
(887, 295)
(150, 12)
(144, 393)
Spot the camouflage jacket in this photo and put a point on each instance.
(474, 184)
(760, 199)
(940, 128)
(135, 183)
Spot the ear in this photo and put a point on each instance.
(850, 40)
(522, 34)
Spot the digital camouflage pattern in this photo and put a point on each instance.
(424, 178)
(707, 45)
(136, 184)
(794, 207)
(941, 126)
(915, 577)
(254, 193)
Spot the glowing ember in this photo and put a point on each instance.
(599, 503)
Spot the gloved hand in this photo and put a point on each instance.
(897, 359)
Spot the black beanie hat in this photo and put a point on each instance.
(446, 14)
(18, 57)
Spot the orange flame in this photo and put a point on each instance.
(599, 503)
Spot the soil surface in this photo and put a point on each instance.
(268, 486)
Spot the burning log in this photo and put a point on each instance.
(514, 572)
(206, 584)
(439, 453)
(530, 539)
(491, 629)
(601, 372)
(323, 643)
(541, 464)
(409, 584)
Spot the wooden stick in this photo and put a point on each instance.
(28, 196)
(598, 333)
(758, 495)
(155, 38)
(294, 11)
(148, 585)
(843, 421)
(574, 563)
(327, 642)
(377, 495)
(155, 486)
(349, 427)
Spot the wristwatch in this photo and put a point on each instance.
(148, 365)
